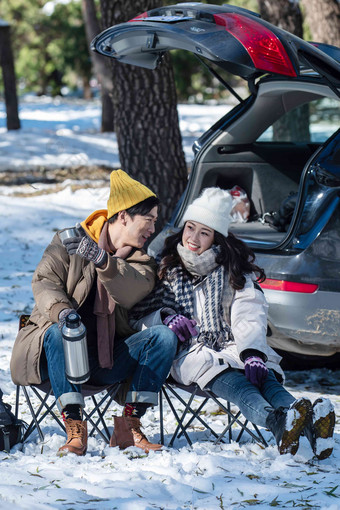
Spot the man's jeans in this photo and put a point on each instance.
(254, 403)
(146, 357)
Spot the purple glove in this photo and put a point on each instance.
(85, 248)
(62, 316)
(182, 327)
(256, 370)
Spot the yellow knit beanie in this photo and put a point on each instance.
(125, 192)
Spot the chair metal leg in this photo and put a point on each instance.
(49, 408)
(195, 414)
(235, 418)
(230, 432)
(177, 418)
(89, 419)
(205, 425)
(100, 416)
(100, 419)
(181, 423)
(161, 417)
(17, 395)
(260, 437)
(232, 418)
(182, 427)
(108, 397)
(264, 442)
(96, 417)
(38, 416)
(37, 426)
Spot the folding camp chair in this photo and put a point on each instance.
(193, 410)
(47, 407)
(47, 404)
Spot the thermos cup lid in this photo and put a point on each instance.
(68, 233)
(72, 320)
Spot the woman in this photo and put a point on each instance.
(208, 294)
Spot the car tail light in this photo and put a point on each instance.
(139, 17)
(307, 288)
(263, 47)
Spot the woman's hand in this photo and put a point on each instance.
(256, 370)
(182, 327)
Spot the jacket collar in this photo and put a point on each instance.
(94, 223)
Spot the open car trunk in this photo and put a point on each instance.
(279, 68)
(267, 179)
(279, 177)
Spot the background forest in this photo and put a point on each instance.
(52, 54)
(50, 42)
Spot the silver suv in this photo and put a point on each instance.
(281, 145)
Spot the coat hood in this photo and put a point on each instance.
(94, 223)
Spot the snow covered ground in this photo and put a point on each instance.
(65, 133)
(206, 477)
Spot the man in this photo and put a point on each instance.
(100, 272)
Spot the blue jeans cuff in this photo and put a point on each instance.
(70, 398)
(147, 397)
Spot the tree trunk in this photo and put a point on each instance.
(7, 65)
(283, 14)
(323, 19)
(100, 65)
(87, 92)
(146, 119)
(107, 111)
(287, 15)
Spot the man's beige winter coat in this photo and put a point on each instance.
(62, 281)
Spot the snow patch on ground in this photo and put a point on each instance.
(206, 476)
(61, 133)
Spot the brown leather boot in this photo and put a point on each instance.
(76, 431)
(127, 433)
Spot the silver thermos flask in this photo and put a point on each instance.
(75, 350)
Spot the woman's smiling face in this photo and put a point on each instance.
(197, 237)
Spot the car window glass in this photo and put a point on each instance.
(312, 122)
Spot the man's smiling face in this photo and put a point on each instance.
(139, 228)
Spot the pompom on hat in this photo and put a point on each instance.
(125, 192)
(212, 208)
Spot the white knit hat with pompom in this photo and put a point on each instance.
(212, 208)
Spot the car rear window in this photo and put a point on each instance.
(311, 122)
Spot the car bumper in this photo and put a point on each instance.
(304, 323)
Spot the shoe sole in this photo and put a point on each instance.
(62, 452)
(302, 414)
(323, 428)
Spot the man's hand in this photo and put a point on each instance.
(256, 370)
(182, 327)
(85, 247)
(62, 316)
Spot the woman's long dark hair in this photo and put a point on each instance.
(235, 255)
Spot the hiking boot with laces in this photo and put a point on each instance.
(320, 429)
(76, 431)
(127, 432)
(287, 425)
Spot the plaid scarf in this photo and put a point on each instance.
(176, 291)
(214, 331)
